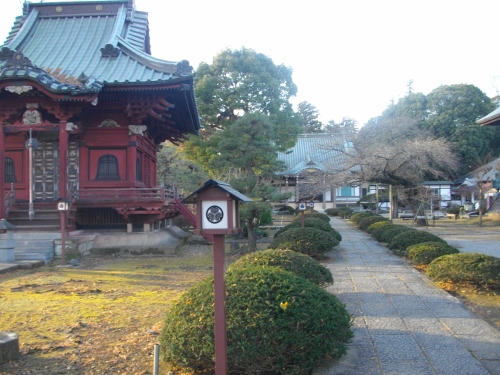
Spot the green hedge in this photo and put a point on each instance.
(278, 323)
(426, 252)
(400, 242)
(310, 222)
(312, 215)
(358, 216)
(341, 211)
(387, 233)
(479, 270)
(367, 221)
(377, 224)
(310, 241)
(300, 264)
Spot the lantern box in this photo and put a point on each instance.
(217, 209)
(301, 205)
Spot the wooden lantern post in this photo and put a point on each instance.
(301, 205)
(63, 207)
(217, 214)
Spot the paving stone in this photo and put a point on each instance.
(455, 360)
(472, 326)
(408, 368)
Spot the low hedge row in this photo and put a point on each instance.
(365, 222)
(310, 241)
(343, 212)
(445, 262)
(402, 241)
(358, 216)
(479, 270)
(377, 225)
(312, 215)
(426, 252)
(300, 264)
(310, 223)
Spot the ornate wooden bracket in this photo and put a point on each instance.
(139, 108)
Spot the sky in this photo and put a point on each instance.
(350, 58)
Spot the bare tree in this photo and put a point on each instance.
(395, 158)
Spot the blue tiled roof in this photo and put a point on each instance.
(323, 152)
(81, 47)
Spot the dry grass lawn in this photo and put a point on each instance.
(101, 318)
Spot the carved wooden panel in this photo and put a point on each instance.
(45, 167)
(73, 167)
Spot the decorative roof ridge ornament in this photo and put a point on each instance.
(15, 59)
(110, 50)
(83, 78)
(183, 67)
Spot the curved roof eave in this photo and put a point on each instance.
(491, 118)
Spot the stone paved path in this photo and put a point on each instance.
(403, 323)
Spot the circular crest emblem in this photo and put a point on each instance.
(214, 214)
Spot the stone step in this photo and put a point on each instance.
(44, 255)
(37, 245)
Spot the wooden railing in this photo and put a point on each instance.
(129, 194)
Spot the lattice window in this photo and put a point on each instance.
(10, 174)
(107, 168)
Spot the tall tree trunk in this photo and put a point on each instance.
(481, 197)
(252, 240)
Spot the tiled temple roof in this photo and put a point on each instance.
(492, 118)
(81, 47)
(322, 152)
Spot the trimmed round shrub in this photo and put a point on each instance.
(377, 224)
(358, 216)
(343, 212)
(426, 252)
(479, 270)
(367, 221)
(310, 241)
(278, 323)
(332, 211)
(387, 233)
(376, 233)
(299, 264)
(312, 215)
(287, 210)
(310, 223)
(400, 242)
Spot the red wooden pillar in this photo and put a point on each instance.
(63, 160)
(131, 163)
(2, 174)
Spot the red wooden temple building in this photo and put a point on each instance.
(83, 109)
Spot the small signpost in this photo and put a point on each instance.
(63, 207)
(217, 214)
(311, 206)
(302, 206)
